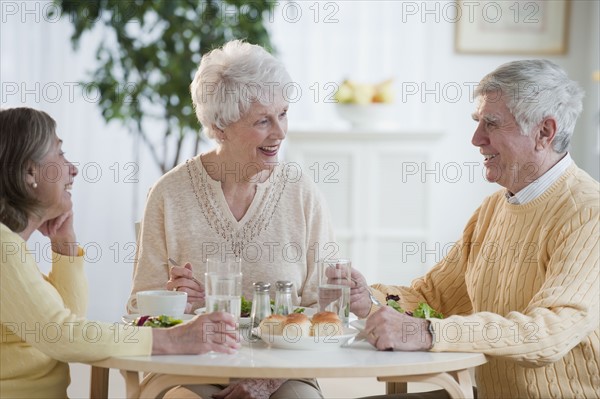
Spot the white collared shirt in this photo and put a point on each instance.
(541, 184)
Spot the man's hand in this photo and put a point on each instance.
(388, 329)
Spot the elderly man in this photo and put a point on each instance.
(522, 284)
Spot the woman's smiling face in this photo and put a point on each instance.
(54, 177)
(255, 140)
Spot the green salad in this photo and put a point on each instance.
(422, 311)
(246, 308)
(156, 321)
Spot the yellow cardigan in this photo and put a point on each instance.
(523, 287)
(43, 326)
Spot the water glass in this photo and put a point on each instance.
(223, 284)
(334, 287)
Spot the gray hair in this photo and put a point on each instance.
(26, 137)
(230, 79)
(534, 90)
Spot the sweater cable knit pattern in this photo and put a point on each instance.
(523, 287)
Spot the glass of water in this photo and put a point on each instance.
(334, 287)
(223, 284)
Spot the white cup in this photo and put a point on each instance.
(161, 302)
(334, 287)
(223, 286)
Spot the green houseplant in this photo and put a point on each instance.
(148, 56)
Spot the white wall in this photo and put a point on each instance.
(368, 42)
(413, 42)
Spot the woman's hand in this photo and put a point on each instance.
(181, 278)
(360, 301)
(388, 329)
(215, 331)
(61, 233)
(250, 389)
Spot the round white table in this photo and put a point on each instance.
(257, 360)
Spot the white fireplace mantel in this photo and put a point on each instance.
(373, 185)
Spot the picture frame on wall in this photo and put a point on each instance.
(512, 27)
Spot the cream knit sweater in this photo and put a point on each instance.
(43, 325)
(284, 231)
(523, 287)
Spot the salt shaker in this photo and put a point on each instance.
(261, 303)
(283, 297)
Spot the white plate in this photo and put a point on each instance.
(130, 318)
(359, 324)
(245, 321)
(307, 343)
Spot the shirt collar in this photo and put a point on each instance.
(541, 184)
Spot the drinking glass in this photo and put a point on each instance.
(223, 284)
(334, 287)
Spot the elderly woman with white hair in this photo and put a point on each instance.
(237, 200)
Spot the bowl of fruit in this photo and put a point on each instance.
(366, 105)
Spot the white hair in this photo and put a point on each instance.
(533, 90)
(230, 79)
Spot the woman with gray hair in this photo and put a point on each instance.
(35, 194)
(237, 200)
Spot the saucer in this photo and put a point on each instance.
(130, 318)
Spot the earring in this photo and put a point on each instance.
(34, 185)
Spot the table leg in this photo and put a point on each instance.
(395, 387)
(132, 383)
(99, 383)
(458, 384)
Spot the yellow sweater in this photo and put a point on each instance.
(523, 287)
(42, 325)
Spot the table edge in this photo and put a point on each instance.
(142, 364)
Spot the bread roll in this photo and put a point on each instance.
(324, 316)
(326, 324)
(272, 325)
(296, 325)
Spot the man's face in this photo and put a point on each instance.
(510, 158)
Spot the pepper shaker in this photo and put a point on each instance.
(261, 303)
(283, 298)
